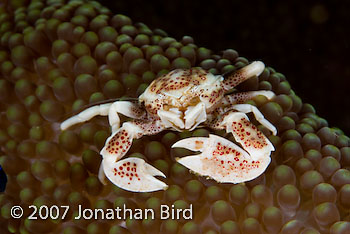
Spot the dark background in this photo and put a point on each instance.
(307, 41)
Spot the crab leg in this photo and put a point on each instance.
(86, 115)
(221, 159)
(233, 79)
(240, 98)
(117, 145)
(128, 109)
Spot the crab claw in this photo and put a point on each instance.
(245, 133)
(221, 159)
(133, 174)
(118, 144)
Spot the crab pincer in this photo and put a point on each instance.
(133, 174)
(221, 159)
(118, 144)
(247, 134)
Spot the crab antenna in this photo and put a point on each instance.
(232, 79)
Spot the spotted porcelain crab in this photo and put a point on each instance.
(183, 100)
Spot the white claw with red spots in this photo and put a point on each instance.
(248, 135)
(133, 174)
(221, 159)
(118, 144)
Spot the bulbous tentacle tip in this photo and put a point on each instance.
(133, 174)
